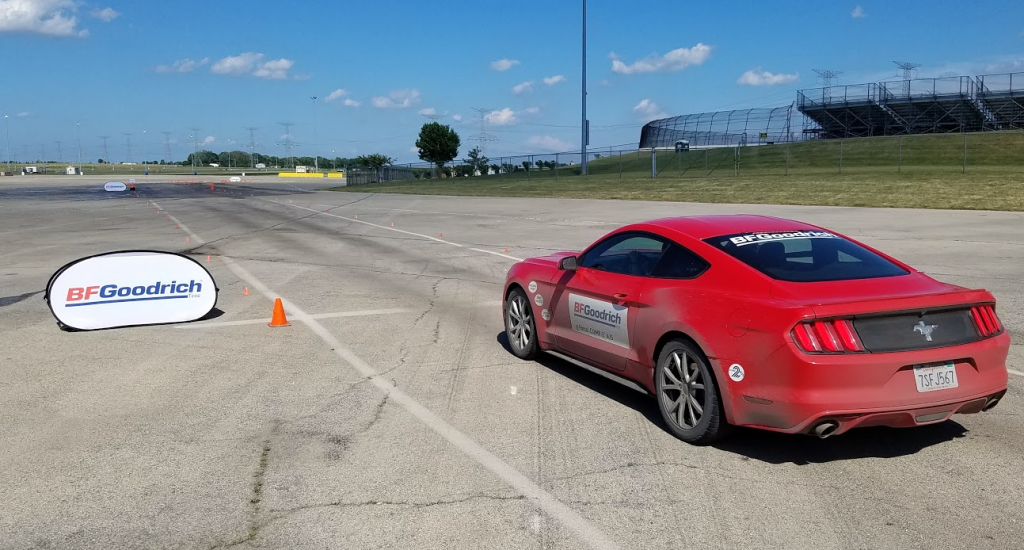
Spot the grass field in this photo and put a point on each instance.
(921, 172)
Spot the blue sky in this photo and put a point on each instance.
(145, 68)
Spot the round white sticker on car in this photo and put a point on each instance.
(545, 314)
(533, 287)
(539, 300)
(736, 372)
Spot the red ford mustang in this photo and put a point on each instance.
(761, 322)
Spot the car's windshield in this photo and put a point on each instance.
(805, 256)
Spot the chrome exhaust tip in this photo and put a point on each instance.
(825, 429)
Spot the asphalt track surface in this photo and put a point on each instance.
(390, 414)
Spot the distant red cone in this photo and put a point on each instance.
(245, 292)
(207, 258)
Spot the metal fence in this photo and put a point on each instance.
(994, 153)
(362, 175)
(721, 128)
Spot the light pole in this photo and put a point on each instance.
(333, 158)
(8, 126)
(78, 131)
(584, 131)
(316, 157)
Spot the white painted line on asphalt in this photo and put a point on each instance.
(396, 229)
(1015, 372)
(496, 254)
(322, 213)
(335, 315)
(541, 498)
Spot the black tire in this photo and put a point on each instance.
(519, 317)
(700, 419)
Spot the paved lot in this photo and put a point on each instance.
(390, 415)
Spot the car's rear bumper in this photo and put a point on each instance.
(795, 392)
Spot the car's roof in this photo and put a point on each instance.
(703, 227)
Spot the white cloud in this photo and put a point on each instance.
(428, 111)
(501, 118)
(335, 95)
(757, 77)
(47, 17)
(457, 117)
(274, 70)
(397, 99)
(532, 110)
(858, 13)
(523, 87)
(552, 80)
(675, 60)
(106, 14)
(209, 140)
(237, 65)
(251, 63)
(503, 64)
(414, 149)
(23, 114)
(182, 66)
(604, 83)
(351, 103)
(549, 143)
(648, 110)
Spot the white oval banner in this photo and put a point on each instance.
(114, 186)
(132, 288)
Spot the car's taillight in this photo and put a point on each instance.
(831, 336)
(986, 320)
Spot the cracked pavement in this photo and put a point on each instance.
(251, 437)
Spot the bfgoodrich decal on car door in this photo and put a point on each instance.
(601, 320)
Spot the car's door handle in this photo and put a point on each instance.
(625, 300)
(620, 297)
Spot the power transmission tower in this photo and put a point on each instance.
(252, 146)
(60, 157)
(106, 157)
(828, 79)
(483, 137)
(195, 145)
(908, 74)
(128, 144)
(288, 143)
(167, 146)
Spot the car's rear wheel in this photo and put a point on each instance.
(687, 396)
(520, 327)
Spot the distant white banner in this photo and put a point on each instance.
(131, 288)
(114, 186)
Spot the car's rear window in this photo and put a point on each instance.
(805, 256)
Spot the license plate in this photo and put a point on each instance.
(935, 377)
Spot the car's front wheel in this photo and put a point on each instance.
(520, 327)
(687, 396)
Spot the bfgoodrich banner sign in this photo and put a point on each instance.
(122, 289)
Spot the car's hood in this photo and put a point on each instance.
(550, 260)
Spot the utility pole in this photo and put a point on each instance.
(252, 146)
(106, 157)
(585, 129)
(828, 79)
(78, 131)
(908, 74)
(195, 146)
(316, 156)
(288, 144)
(60, 156)
(128, 144)
(167, 146)
(8, 126)
(483, 137)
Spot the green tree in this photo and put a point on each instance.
(526, 165)
(438, 143)
(496, 169)
(477, 161)
(376, 161)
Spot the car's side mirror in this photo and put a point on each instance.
(568, 263)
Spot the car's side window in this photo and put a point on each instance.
(626, 253)
(679, 263)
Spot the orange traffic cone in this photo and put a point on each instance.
(506, 251)
(245, 292)
(207, 258)
(278, 319)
